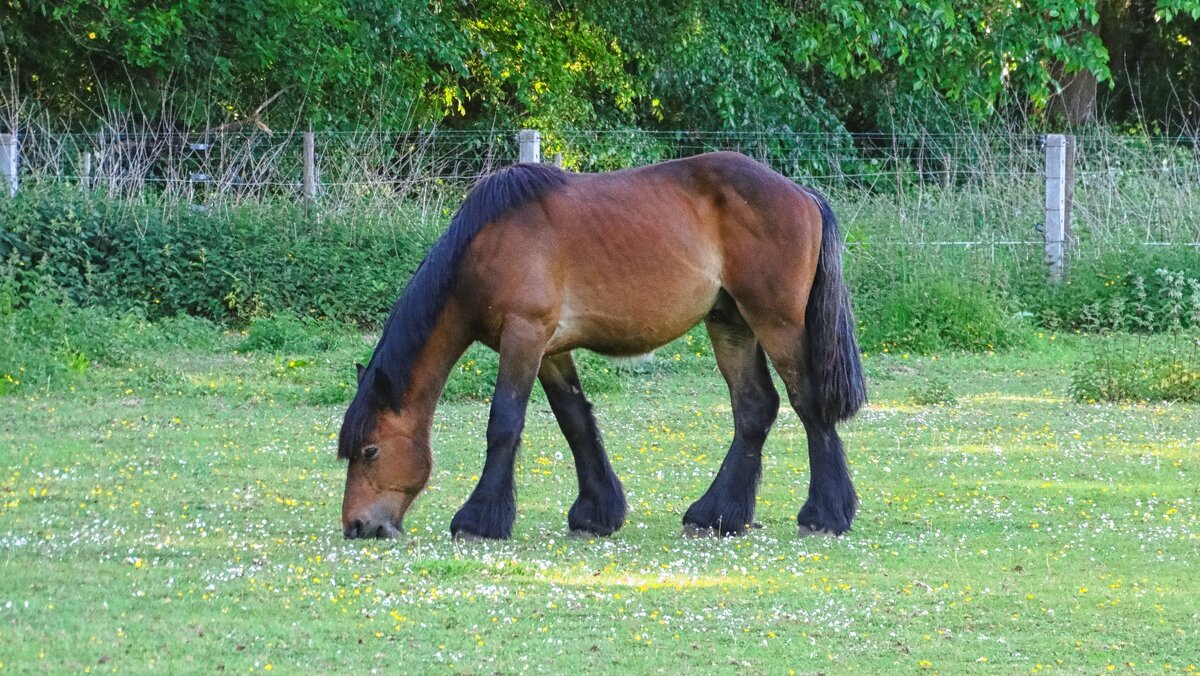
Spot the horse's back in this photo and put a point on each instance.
(626, 261)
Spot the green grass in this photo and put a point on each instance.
(180, 512)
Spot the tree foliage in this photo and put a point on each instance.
(801, 65)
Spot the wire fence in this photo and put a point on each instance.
(923, 189)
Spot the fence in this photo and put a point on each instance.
(1012, 190)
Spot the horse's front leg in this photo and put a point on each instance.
(491, 509)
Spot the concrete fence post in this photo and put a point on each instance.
(85, 170)
(310, 167)
(9, 163)
(531, 145)
(98, 175)
(1058, 190)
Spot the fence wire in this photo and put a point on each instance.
(990, 185)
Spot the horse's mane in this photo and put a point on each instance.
(415, 313)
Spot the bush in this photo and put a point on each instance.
(281, 272)
(231, 264)
(934, 311)
(1130, 288)
(41, 334)
(1139, 369)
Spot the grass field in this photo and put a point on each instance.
(181, 514)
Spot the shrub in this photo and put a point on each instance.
(1129, 288)
(245, 264)
(1128, 368)
(41, 334)
(230, 264)
(936, 312)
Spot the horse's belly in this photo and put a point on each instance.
(626, 321)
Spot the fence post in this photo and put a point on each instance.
(531, 145)
(310, 167)
(1057, 204)
(1070, 193)
(9, 149)
(98, 177)
(85, 170)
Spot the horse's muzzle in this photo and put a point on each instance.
(367, 529)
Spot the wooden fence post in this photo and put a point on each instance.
(9, 163)
(1058, 205)
(531, 145)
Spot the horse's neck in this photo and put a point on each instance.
(448, 340)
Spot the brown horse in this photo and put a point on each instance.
(538, 262)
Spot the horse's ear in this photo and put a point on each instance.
(361, 370)
(382, 396)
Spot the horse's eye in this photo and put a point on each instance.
(370, 452)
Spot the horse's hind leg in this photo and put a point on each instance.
(831, 503)
(600, 507)
(728, 506)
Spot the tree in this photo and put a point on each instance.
(801, 65)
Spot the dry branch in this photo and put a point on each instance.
(253, 118)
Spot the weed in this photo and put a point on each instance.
(1126, 367)
(933, 391)
(287, 333)
(1140, 368)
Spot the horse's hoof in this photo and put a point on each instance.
(806, 531)
(464, 536)
(693, 532)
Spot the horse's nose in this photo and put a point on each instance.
(355, 529)
(366, 528)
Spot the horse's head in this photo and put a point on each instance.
(389, 460)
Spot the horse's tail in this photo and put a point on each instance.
(835, 366)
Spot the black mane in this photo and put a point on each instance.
(415, 313)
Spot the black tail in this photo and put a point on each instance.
(835, 364)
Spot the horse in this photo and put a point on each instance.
(538, 262)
